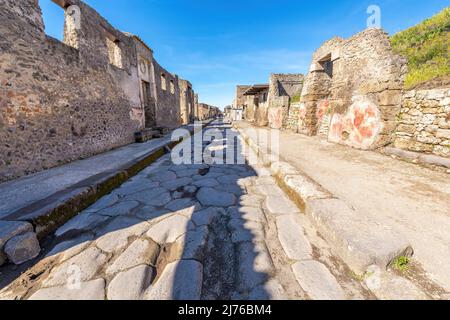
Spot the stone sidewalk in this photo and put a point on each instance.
(17, 194)
(412, 201)
(200, 231)
(34, 206)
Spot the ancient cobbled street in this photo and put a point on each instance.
(221, 231)
(228, 151)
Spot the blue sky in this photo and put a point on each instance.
(217, 44)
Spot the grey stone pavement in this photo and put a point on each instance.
(190, 231)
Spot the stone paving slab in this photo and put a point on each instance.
(180, 280)
(141, 251)
(22, 248)
(91, 290)
(292, 238)
(317, 281)
(86, 265)
(255, 265)
(131, 284)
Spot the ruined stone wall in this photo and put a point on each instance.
(293, 116)
(208, 112)
(203, 110)
(191, 103)
(286, 84)
(61, 101)
(366, 92)
(187, 101)
(168, 98)
(250, 108)
(353, 91)
(196, 107)
(184, 108)
(424, 122)
(240, 98)
(316, 87)
(282, 87)
(262, 109)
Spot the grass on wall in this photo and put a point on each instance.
(427, 47)
(296, 99)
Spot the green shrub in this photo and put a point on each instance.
(297, 98)
(401, 264)
(427, 47)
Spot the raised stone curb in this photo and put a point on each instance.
(47, 215)
(418, 157)
(22, 248)
(359, 241)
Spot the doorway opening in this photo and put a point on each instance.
(149, 106)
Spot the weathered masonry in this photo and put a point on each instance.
(424, 122)
(61, 101)
(270, 104)
(354, 95)
(206, 111)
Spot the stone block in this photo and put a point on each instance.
(141, 251)
(292, 238)
(280, 205)
(180, 280)
(390, 112)
(404, 128)
(84, 266)
(212, 197)
(357, 238)
(170, 229)
(304, 188)
(402, 143)
(10, 229)
(82, 222)
(131, 284)
(390, 97)
(441, 133)
(22, 248)
(255, 265)
(88, 291)
(435, 160)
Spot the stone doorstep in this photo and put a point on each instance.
(47, 215)
(359, 241)
(422, 158)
